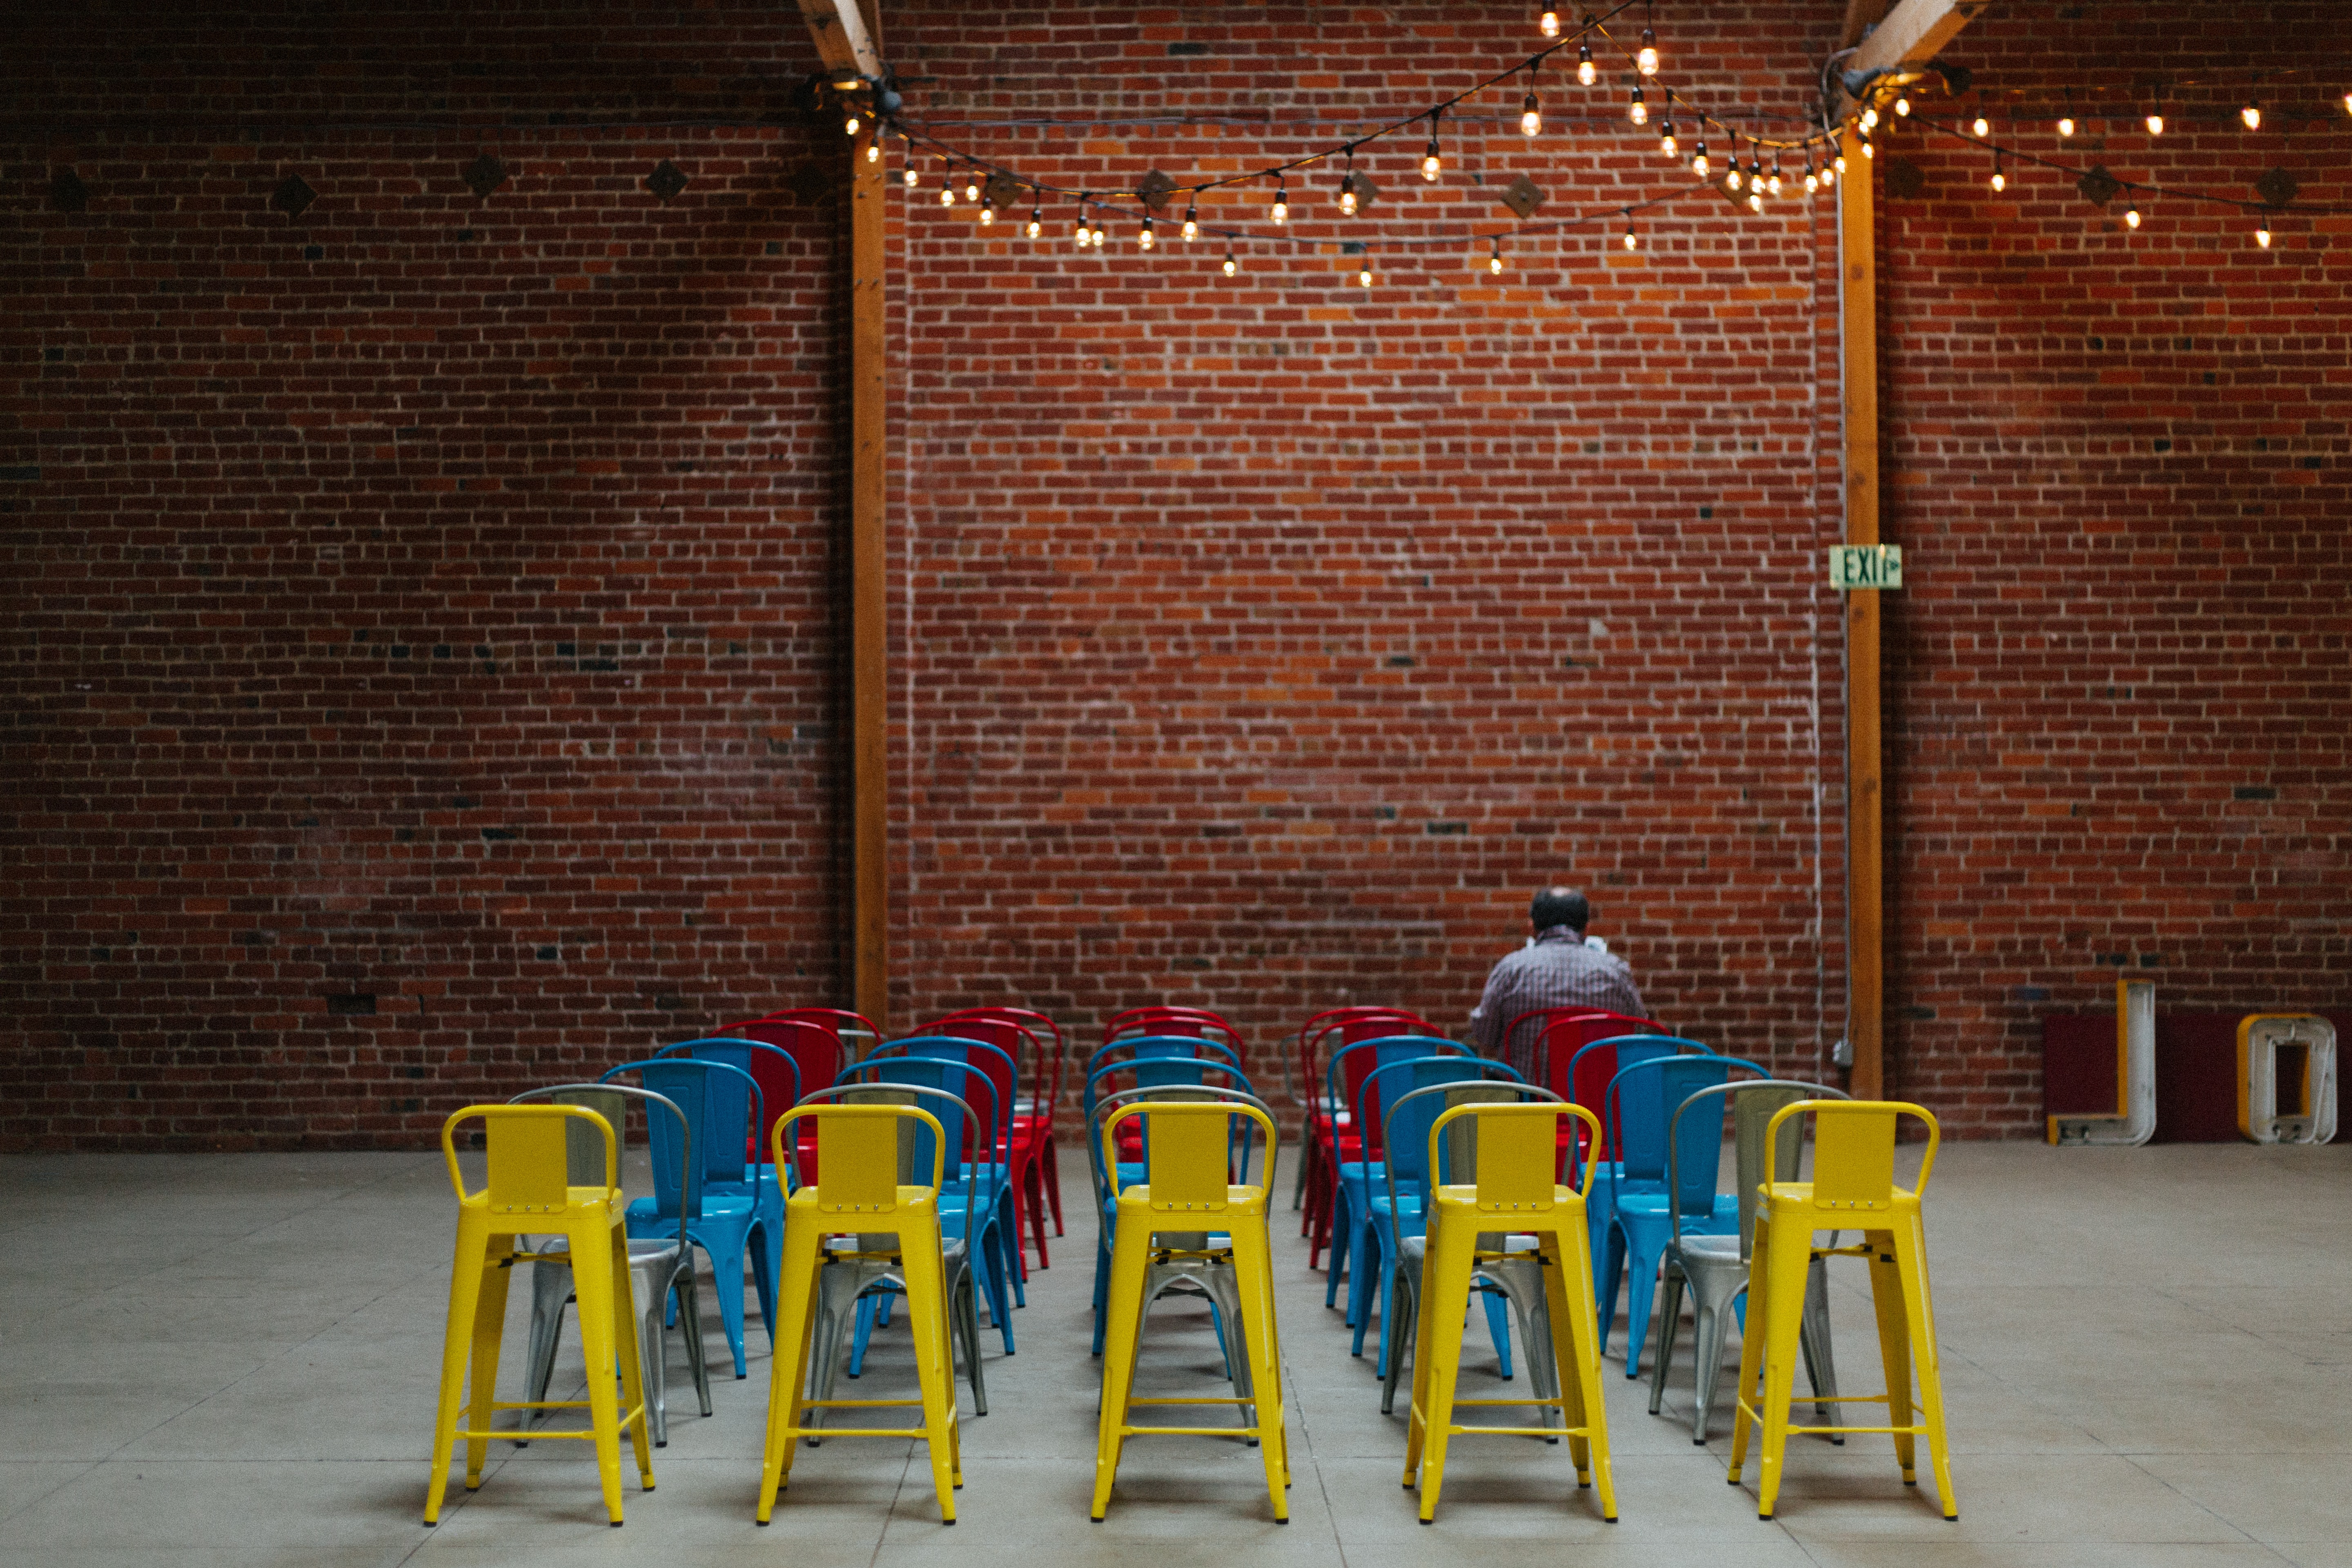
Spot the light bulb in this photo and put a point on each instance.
(1638, 111)
(1648, 59)
(1839, 165)
(2347, 104)
(1829, 175)
(1698, 159)
(1232, 266)
(1192, 222)
(1755, 201)
(1143, 238)
(1869, 150)
(988, 213)
(1774, 185)
(972, 187)
(2155, 125)
(1347, 193)
(947, 195)
(1586, 75)
(2253, 115)
(1082, 234)
(1549, 26)
(1494, 261)
(850, 126)
(914, 176)
(1903, 107)
(1812, 180)
(2263, 237)
(1731, 176)
(1099, 235)
(1983, 127)
(1869, 119)
(874, 151)
(1364, 276)
(2131, 218)
(1667, 146)
(1036, 222)
(1999, 179)
(1281, 202)
(1431, 166)
(1530, 117)
(2066, 125)
(1631, 241)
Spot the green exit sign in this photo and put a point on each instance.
(1866, 567)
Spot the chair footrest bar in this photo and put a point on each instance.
(857, 1404)
(832, 1432)
(1202, 1399)
(1189, 1432)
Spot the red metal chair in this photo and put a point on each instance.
(1556, 1051)
(1174, 1020)
(815, 1049)
(841, 1022)
(1329, 1136)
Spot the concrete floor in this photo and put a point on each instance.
(2147, 1355)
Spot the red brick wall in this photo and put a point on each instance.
(1260, 642)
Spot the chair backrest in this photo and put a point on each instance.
(1344, 1074)
(1404, 1130)
(867, 1150)
(1564, 1034)
(1188, 1148)
(771, 1067)
(1172, 1020)
(947, 1075)
(1337, 1027)
(528, 1151)
(1163, 1072)
(720, 1101)
(1638, 1112)
(818, 1051)
(1383, 1086)
(585, 1146)
(1039, 1042)
(1168, 1047)
(1512, 1153)
(1000, 1064)
(849, 1028)
(1753, 1106)
(1107, 1177)
(1619, 1051)
(1854, 1150)
(919, 1145)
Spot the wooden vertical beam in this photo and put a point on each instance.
(1858, 374)
(869, 673)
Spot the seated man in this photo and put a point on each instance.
(1559, 968)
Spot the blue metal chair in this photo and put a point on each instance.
(1679, 1177)
(774, 1074)
(715, 1210)
(1004, 1094)
(1342, 1076)
(1395, 1210)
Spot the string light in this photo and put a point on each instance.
(1081, 233)
(1667, 147)
(1037, 216)
(1633, 241)
(1999, 179)
(1698, 159)
(1430, 164)
(1983, 127)
(1192, 222)
(1364, 275)
(1232, 266)
(1837, 164)
(972, 185)
(1143, 236)
(2067, 121)
(1829, 172)
(2263, 237)
(2131, 218)
(1348, 185)
(1586, 74)
(1812, 175)
(1281, 200)
(1495, 259)
(913, 177)
(947, 181)
(1869, 120)
(1549, 26)
(1530, 116)
(2155, 118)
(850, 126)
(1775, 186)
(1731, 166)
(2347, 104)
(1648, 59)
(988, 212)
(1755, 168)
(1638, 111)
(874, 149)
(1755, 200)
(2251, 114)
(1903, 107)
(1100, 234)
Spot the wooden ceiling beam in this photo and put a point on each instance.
(1910, 35)
(843, 39)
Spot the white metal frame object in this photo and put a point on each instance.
(2133, 1122)
(2260, 1035)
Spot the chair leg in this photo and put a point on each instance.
(789, 1371)
(689, 1297)
(727, 1284)
(600, 1323)
(1049, 1157)
(1670, 1318)
(1780, 1294)
(1576, 1350)
(1253, 1278)
(1813, 1338)
(1445, 1298)
(1341, 1230)
(456, 1344)
(1498, 1329)
(550, 1292)
(489, 1324)
(1404, 1310)
(653, 1355)
(926, 1323)
(1129, 1261)
(1707, 1345)
(1910, 1249)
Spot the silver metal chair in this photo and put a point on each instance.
(661, 1268)
(872, 1263)
(1517, 1274)
(1192, 1263)
(1715, 1269)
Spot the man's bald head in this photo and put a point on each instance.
(1561, 907)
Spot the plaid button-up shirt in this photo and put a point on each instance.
(1558, 971)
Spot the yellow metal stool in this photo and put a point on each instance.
(528, 1191)
(858, 1193)
(1513, 1153)
(1853, 1186)
(1186, 1200)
